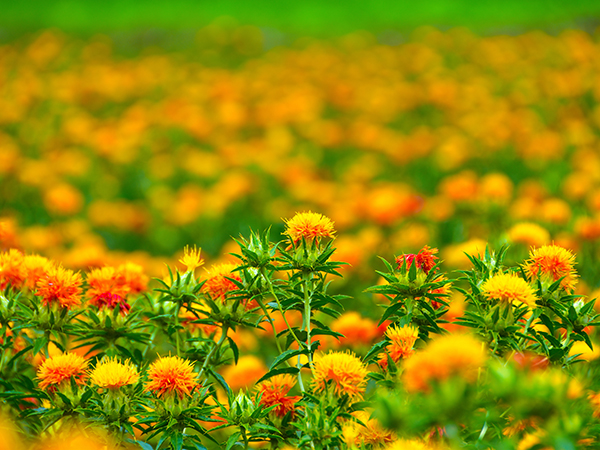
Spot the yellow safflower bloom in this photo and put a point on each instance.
(112, 374)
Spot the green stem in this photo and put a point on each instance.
(244, 436)
(214, 349)
(177, 328)
(272, 291)
(298, 341)
(264, 308)
(307, 279)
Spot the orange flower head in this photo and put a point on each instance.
(372, 433)
(447, 356)
(12, 269)
(36, 267)
(357, 330)
(217, 286)
(401, 343)
(344, 369)
(132, 276)
(274, 393)
(191, 258)
(425, 259)
(112, 374)
(60, 286)
(106, 289)
(310, 226)
(58, 371)
(551, 262)
(508, 287)
(248, 370)
(171, 375)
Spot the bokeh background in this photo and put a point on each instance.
(128, 131)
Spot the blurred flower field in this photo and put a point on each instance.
(116, 168)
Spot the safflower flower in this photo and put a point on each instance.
(344, 369)
(171, 375)
(402, 340)
(551, 263)
(58, 370)
(217, 285)
(36, 267)
(310, 226)
(191, 258)
(106, 289)
(60, 286)
(274, 392)
(112, 374)
(508, 288)
(372, 433)
(425, 259)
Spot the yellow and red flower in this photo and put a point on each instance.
(310, 226)
(106, 289)
(60, 286)
(132, 276)
(551, 263)
(425, 259)
(36, 267)
(58, 371)
(274, 392)
(217, 285)
(402, 340)
(345, 371)
(171, 375)
(372, 433)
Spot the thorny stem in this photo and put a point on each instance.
(214, 349)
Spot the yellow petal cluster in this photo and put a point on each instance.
(112, 374)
